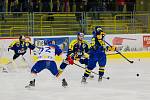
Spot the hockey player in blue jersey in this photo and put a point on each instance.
(97, 30)
(78, 50)
(97, 54)
(20, 47)
(46, 56)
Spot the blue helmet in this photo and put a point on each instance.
(98, 29)
(80, 34)
(22, 38)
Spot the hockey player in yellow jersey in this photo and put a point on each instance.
(78, 51)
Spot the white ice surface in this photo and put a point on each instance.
(123, 84)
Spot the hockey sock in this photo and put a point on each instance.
(87, 73)
(101, 71)
(59, 72)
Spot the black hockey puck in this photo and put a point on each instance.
(108, 78)
(137, 74)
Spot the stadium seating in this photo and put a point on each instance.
(40, 24)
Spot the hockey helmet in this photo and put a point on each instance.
(98, 29)
(80, 34)
(22, 38)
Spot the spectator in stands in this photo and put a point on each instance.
(79, 8)
(36, 5)
(94, 6)
(10, 4)
(23, 5)
(84, 3)
(61, 3)
(66, 5)
(45, 5)
(15, 8)
(112, 5)
(30, 6)
(55, 3)
(46, 8)
(90, 4)
(2, 9)
(105, 4)
(99, 7)
(71, 2)
(120, 5)
(131, 5)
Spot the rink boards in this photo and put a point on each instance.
(130, 45)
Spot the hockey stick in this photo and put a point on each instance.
(119, 53)
(92, 71)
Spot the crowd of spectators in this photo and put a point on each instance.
(66, 5)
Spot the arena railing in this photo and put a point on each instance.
(139, 22)
(66, 23)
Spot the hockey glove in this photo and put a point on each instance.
(70, 60)
(8, 49)
(112, 48)
(86, 55)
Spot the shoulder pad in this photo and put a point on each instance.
(14, 42)
(72, 43)
(84, 41)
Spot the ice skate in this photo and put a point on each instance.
(99, 78)
(4, 70)
(83, 80)
(91, 76)
(60, 71)
(31, 84)
(64, 83)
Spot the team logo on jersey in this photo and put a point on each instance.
(83, 46)
(22, 45)
(27, 44)
(21, 51)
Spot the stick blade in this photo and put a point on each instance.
(131, 62)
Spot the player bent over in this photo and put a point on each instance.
(20, 48)
(78, 51)
(97, 54)
(46, 56)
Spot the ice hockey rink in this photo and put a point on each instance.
(123, 83)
